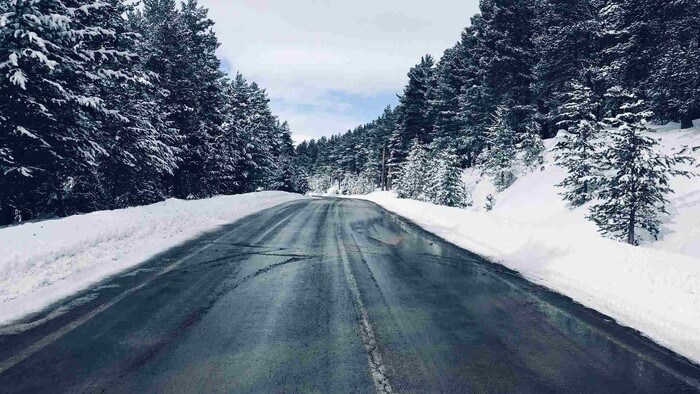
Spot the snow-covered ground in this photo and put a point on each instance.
(46, 261)
(534, 198)
(654, 288)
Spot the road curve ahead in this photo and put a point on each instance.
(328, 295)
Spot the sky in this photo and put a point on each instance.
(331, 65)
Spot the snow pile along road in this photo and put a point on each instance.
(43, 262)
(654, 288)
(653, 291)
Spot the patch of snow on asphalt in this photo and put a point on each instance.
(45, 261)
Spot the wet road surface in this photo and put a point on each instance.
(328, 295)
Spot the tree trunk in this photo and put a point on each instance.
(686, 121)
(630, 227)
(177, 183)
(384, 168)
(389, 180)
(6, 216)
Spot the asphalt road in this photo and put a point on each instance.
(328, 295)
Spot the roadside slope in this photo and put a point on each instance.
(653, 291)
(534, 198)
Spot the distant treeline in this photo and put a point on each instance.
(522, 71)
(528, 56)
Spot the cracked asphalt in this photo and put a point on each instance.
(328, 295)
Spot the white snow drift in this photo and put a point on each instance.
(654, 288)
(46, 261)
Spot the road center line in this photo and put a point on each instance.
(377, 368)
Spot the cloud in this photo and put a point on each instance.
(313, 125)
(306, 51)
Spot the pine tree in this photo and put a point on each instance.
(415, 117)
(413, 177)
(446, 183)
(397, 150)
(50, 63)
(140, 142)
(449, 80)
(630, 36)
(260, 130)
(286, 176)
(227, 157)
(490, 203)
(675, 80)
(200, 102)
(567, 42)
(507, 54)
(501, 156)
(579, 151)
(382, 132)
(372, 171)
(183, 55)
(477, 100)
(532, 146)
(634, 195)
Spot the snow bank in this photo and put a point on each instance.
(534, 198)
(655, 292)
(654, 289)
(43, 262)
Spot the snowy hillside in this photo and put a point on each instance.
(654, 288)
(43, 262)
(534, 198)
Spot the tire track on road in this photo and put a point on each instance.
(377, 368)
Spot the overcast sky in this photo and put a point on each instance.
(331, 65)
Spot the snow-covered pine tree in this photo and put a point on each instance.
(397, 152)
(286, 176)
(446, 183)
(240, 121)
(183, 54)
(579, 150)
(413, 179)
(228, 156)
(531, 145)
(501, 155)
(356, 184)
(631, 32)
(382, 132)
(567, 41)
(140, 143)
(50, 52)
(319, 183)
(490, 203)
(449, 80)
(633, 195)
(507, 54)
(675, 79)
(304, 156)
(250, 114)
(415, 117)
(477, 100)
(372, 171)
(201, 102)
